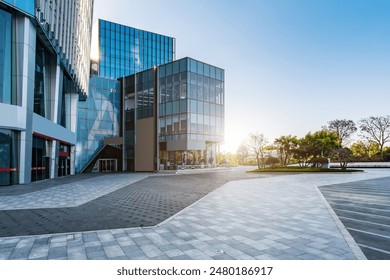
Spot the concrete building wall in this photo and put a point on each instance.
(145, 145)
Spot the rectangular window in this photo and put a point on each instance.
(193, 106)
(193, 65)
(176, 92)
(175, 107)
(183, 91)
(183, 123)
(183, 105)
(183, 65)
(5, 58)
(9, 159)
(200, 107)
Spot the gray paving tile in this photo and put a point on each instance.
(113, 251)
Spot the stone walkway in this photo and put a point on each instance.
(282, 217)
(70, 194)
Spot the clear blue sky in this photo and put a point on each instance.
(290, 65)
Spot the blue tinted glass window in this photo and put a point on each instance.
(207, 70)
(200, 68)
(169, 69)
(193, 106)
(176, 67)
(5, 57)
(25, 5)
(212, 72)
(193, 65)
(183, 106)
(218, 74)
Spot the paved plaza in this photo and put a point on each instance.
(364, 209)
(226, 215)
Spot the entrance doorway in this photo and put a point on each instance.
(106, 165)
(63, 166)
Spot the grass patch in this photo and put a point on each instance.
(305, 169)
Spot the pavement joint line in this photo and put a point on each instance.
(358, 253)
(362, 213)
(365, 207)
(363, 221)
(370, 233)
(375, 249)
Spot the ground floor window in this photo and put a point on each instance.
(106, 165)
(188, 158)
(9, 159)
(40, 159)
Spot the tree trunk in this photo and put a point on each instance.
(258, 162)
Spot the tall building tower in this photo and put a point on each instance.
(44, 66)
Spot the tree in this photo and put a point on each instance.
(242, 153)
(256, 145)
(285, 146)
(376, 129)
(365, 150)
(272, 161)
(343, 129)
(343, 156)
(226, 158)
(313, 145)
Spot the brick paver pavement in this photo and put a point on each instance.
(280, 217)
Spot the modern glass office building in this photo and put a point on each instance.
(44, 65)
(174, 116)
(124, 50)
(190, 113)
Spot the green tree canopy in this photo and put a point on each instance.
(285, 145)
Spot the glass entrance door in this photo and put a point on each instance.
(108, 165)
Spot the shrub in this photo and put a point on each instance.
(272, 161)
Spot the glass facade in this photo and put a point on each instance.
(145, 94)
(191, 103)
(26, 6)
(42, 100)
(191, 111)
(40, 159)
(125, 50)
(98, 117)
(5, 57)
(9, 159)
